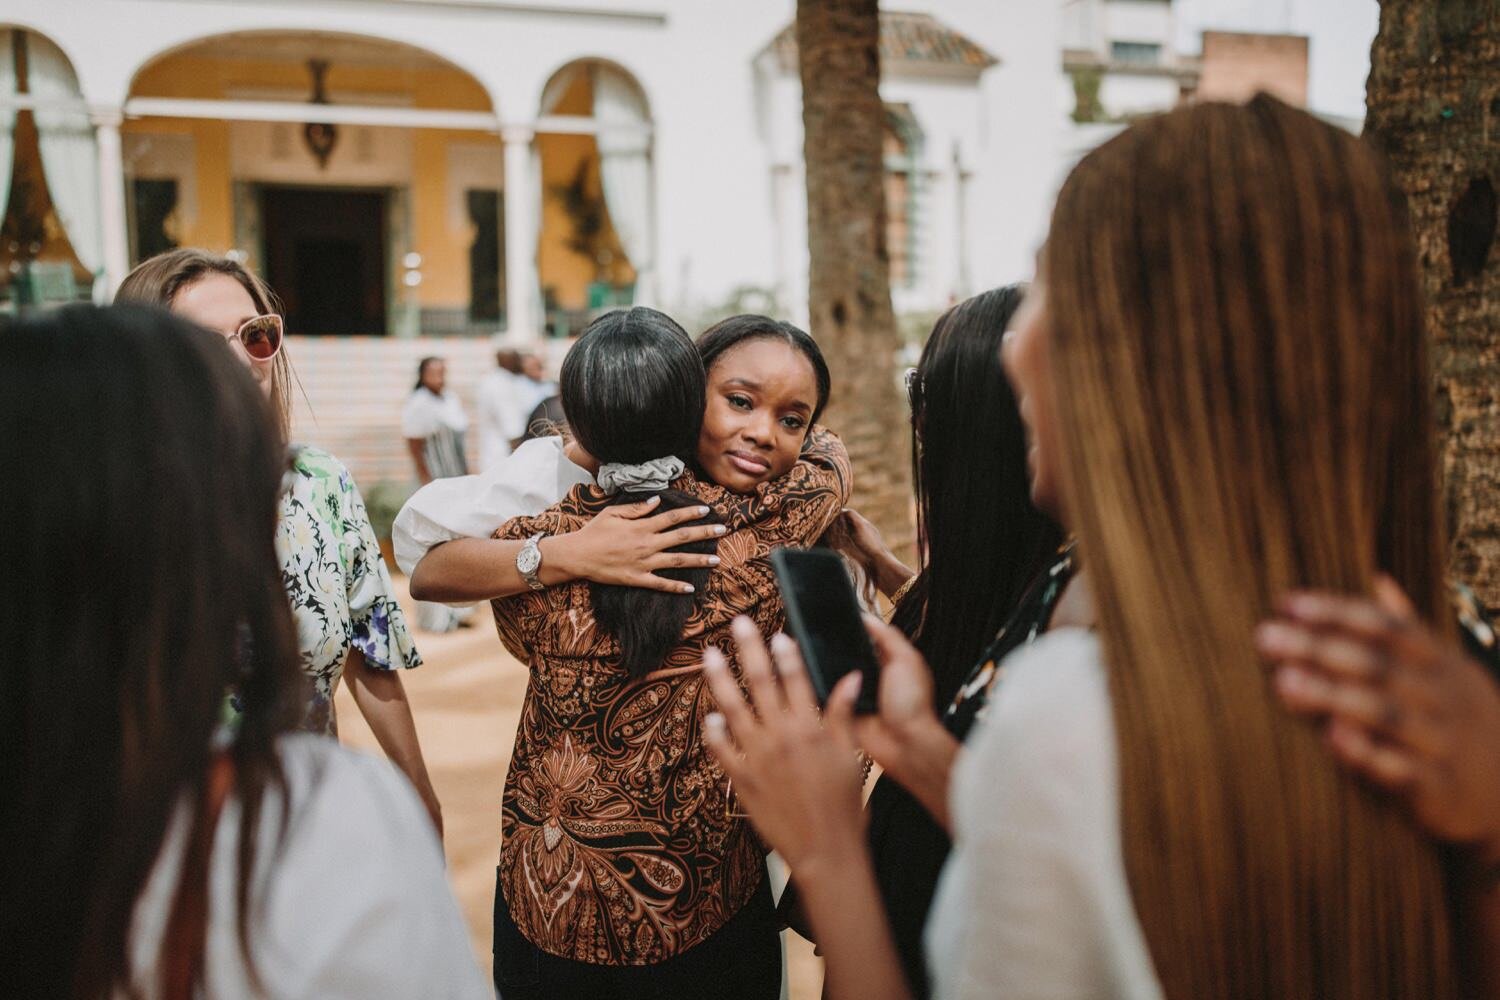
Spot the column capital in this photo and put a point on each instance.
(105, 116)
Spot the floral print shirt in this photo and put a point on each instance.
(618, 844)
(337, 581)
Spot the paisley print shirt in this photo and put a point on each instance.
(618, 849)
(337, 582)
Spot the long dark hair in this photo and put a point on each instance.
(982, 539)
(141, 583)
(736, 330)
(431, 359)
(632, 389)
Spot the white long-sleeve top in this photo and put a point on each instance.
(352, 903)
(1033, 903)
(526, 482)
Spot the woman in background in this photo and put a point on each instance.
(964, 608)
(348, 622)
(434, 423)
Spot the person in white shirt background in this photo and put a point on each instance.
(499, 398)
(433, 423)
(156, 852)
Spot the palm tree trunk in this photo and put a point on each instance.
(1434, 109)
(849, 284)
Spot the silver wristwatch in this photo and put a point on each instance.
(529, 560)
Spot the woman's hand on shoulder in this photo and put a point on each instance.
(1399, 705)
(870, 550)
(625, 545)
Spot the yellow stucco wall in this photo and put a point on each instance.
(444, 248)
(567, 273)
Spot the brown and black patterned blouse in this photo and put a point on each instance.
(617, 847)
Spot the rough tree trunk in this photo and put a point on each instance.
(1434, 109)
(849, 284)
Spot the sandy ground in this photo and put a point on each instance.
(466, 698)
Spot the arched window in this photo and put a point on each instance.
(903, 149)
(50, 245)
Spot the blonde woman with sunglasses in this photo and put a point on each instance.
(348, 622)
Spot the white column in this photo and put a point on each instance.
(113, 228)
(521, 292)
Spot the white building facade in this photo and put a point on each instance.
(695, 120)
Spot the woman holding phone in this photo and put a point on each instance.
(349, 624)
(1136, 816)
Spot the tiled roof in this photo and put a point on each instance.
(904, 38)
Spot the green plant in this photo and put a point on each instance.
(1086, 106)
(585, 209)
(383, 501)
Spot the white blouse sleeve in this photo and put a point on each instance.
(359, 905)
(1034, 902)
(528, 481)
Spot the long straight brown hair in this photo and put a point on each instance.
(1243, 399)
(157, 281)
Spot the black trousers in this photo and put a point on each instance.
(742, 961)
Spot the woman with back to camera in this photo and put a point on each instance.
(1136, 817)
(622, 871)
(972, 600)
(154, 852)
(349, 624)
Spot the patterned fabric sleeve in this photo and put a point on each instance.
(377, 625)
(519, 616)
(794, 509)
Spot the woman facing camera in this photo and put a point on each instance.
(623, 870)
(1135, 816)
(154, 852)
(348, 622)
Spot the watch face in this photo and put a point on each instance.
(529, 559)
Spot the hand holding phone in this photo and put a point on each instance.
(823, 615)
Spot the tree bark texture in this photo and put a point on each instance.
(1434, 110)
(849, 282)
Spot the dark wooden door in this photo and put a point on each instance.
(326, 257)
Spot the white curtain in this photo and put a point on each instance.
(70, 159)
(7, 116)
(625, 166)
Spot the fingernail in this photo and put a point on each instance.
(713, 560)
(714, 720)
(687, 588)
(1271, 635)
(702, 511)
(1290, 680)
(781, 643)
(713, 658)
(1301, 604)
(720, 529)
(652, 501)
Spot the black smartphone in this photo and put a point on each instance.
(823, 615)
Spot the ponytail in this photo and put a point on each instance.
(649, 623)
